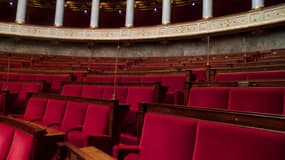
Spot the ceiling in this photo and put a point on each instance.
(112, 12)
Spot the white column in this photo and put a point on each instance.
(255, 4)
(21, 11)
(207, 9)
(59, 11)
(166, 11)
(94, 19)
(129, 13)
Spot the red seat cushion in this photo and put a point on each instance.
(21, 147)
(167, 138)
(264, 100)
(208, 97)
(228, 142)
(6, 137)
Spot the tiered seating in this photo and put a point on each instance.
(127, 93)
(173, 132)
(19, 88)
(262, 96)
(52, 81)
(173, 80)
(85, 121)
(240, 76)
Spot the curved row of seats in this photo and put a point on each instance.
(175, 81)
(80, 118)
(175, 132)
(53, 81)
(129, 94)
(243, 76)
(253, 99)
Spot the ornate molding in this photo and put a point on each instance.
(265, 16)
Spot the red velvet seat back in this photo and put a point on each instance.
(54, 113)
(93, 79)
(57, 80)
(96, 119)
(231, 76)
(13, 87)
(266, 75)
(208, 97)
(264, 100)
(130, 79)
(109, 79)
(226, 142)
(167, 138)
(121, 93)
(200, 75)
(35, 109)
(174, 83)
(92, 91)
(150, 79)
(74, 115)
(29, 88)
(71, 90)
(46, 78)
(6, 137)
(139, 94)
(21, 147)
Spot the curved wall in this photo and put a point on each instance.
(234, 43)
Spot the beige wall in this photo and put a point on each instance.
(273, 39)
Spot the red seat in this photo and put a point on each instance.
(269, 75)
(208, 97)
(92, 91)
(175, 84)
(231, 76)
(121, 93)
(166, 138)
(129, 79)
(199, 75)
(6, 137)
(150, 79)
(95, 124)
(13, 87)
(35, 109)
(57, 80)
(227, 142)
(71, 90)
(29, 88)
(73, 117)
(54, 112)
(21, 146)
(264, 100)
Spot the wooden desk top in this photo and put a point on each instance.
(96, 154)
(50, 131)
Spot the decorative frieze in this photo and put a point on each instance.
(249, 19)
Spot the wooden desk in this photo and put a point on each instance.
(95, 154)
